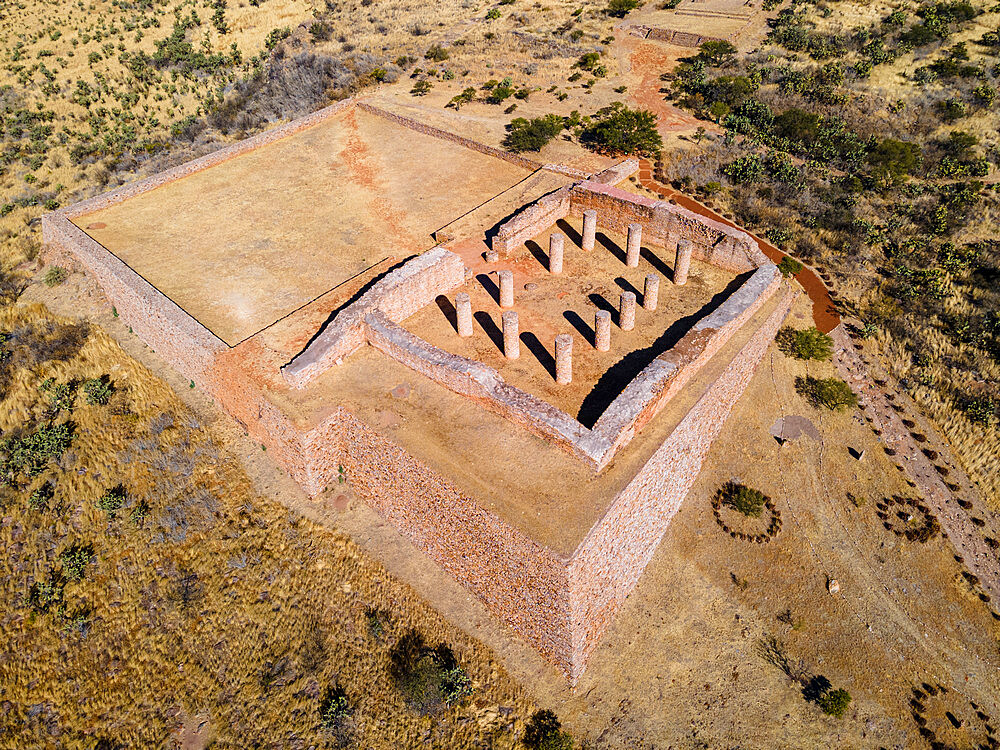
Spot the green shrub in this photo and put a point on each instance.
(41, 497)
(55, 276)
(618, 130)
(437, 53)
(420, 88)
(75, 560)
(61, 396)
(29, 455)
(789, 266)
(834, 702)
(98, 391)
(743, 499)
(492, 14)
(621, 8)
(320, 31)
(428, 677)
(544, 732)
(832, 393)
(805, 344)
(533, 134)
(334, 708)
(112, 500)
(44, 594)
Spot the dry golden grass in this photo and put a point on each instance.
(216, 603)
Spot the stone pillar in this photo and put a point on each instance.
(511, 336)
(556, 242)
(602, 330)
(651, 291)
(633, 245)
(506, 288)
(463, 309)
(589, 229)
(564, 359)
(626, 311)
(682, 263)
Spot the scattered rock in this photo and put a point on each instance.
(833, 586)
(491, 256)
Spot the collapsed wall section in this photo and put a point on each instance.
(608, 563)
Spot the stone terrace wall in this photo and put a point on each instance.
(664, 224)
(522, 582)
(531, 221)
(608, 563)
(171, 332)
(421, 127)
(397, 295)
(647, 394)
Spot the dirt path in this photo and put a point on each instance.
(923, 461)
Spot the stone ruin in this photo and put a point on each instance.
(305, 387)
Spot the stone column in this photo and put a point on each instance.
(602, 330)
(682, 263)
(633, 245)
(651, 291)
(589, 229)
(506, 288)
(626, 311)
(463, 310)
(511, 336)
(564, 359)
(556, 242)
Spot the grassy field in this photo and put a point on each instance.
(863, 139)
(146, 584)
(149, 594)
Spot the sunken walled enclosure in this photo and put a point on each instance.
(520, 366)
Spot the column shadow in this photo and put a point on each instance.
(611, 245)
(626, 286)
(571, 234)
(581, 326)
(540, 255)
(448, 309)
(602, 304)
(490, 286)
(536, 347)
(654, 260)
(490, 328)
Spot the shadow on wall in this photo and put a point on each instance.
(625, 370)
(351, 300)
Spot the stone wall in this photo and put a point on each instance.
(608, 563)
(421, 127)
(398, 295)
(523, 583)
(171, 332)
(617, 172)
(485, 386)
(651, 390)
(531, 221)
(664, 224)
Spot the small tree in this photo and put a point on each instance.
(544, 732)
(832, 393)
(533, 134)
(789, 266)
(618, 130)
(743, 499)
(834, 702)
(806, 344)
(717, 52)
(621, 8)
(892, 160)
